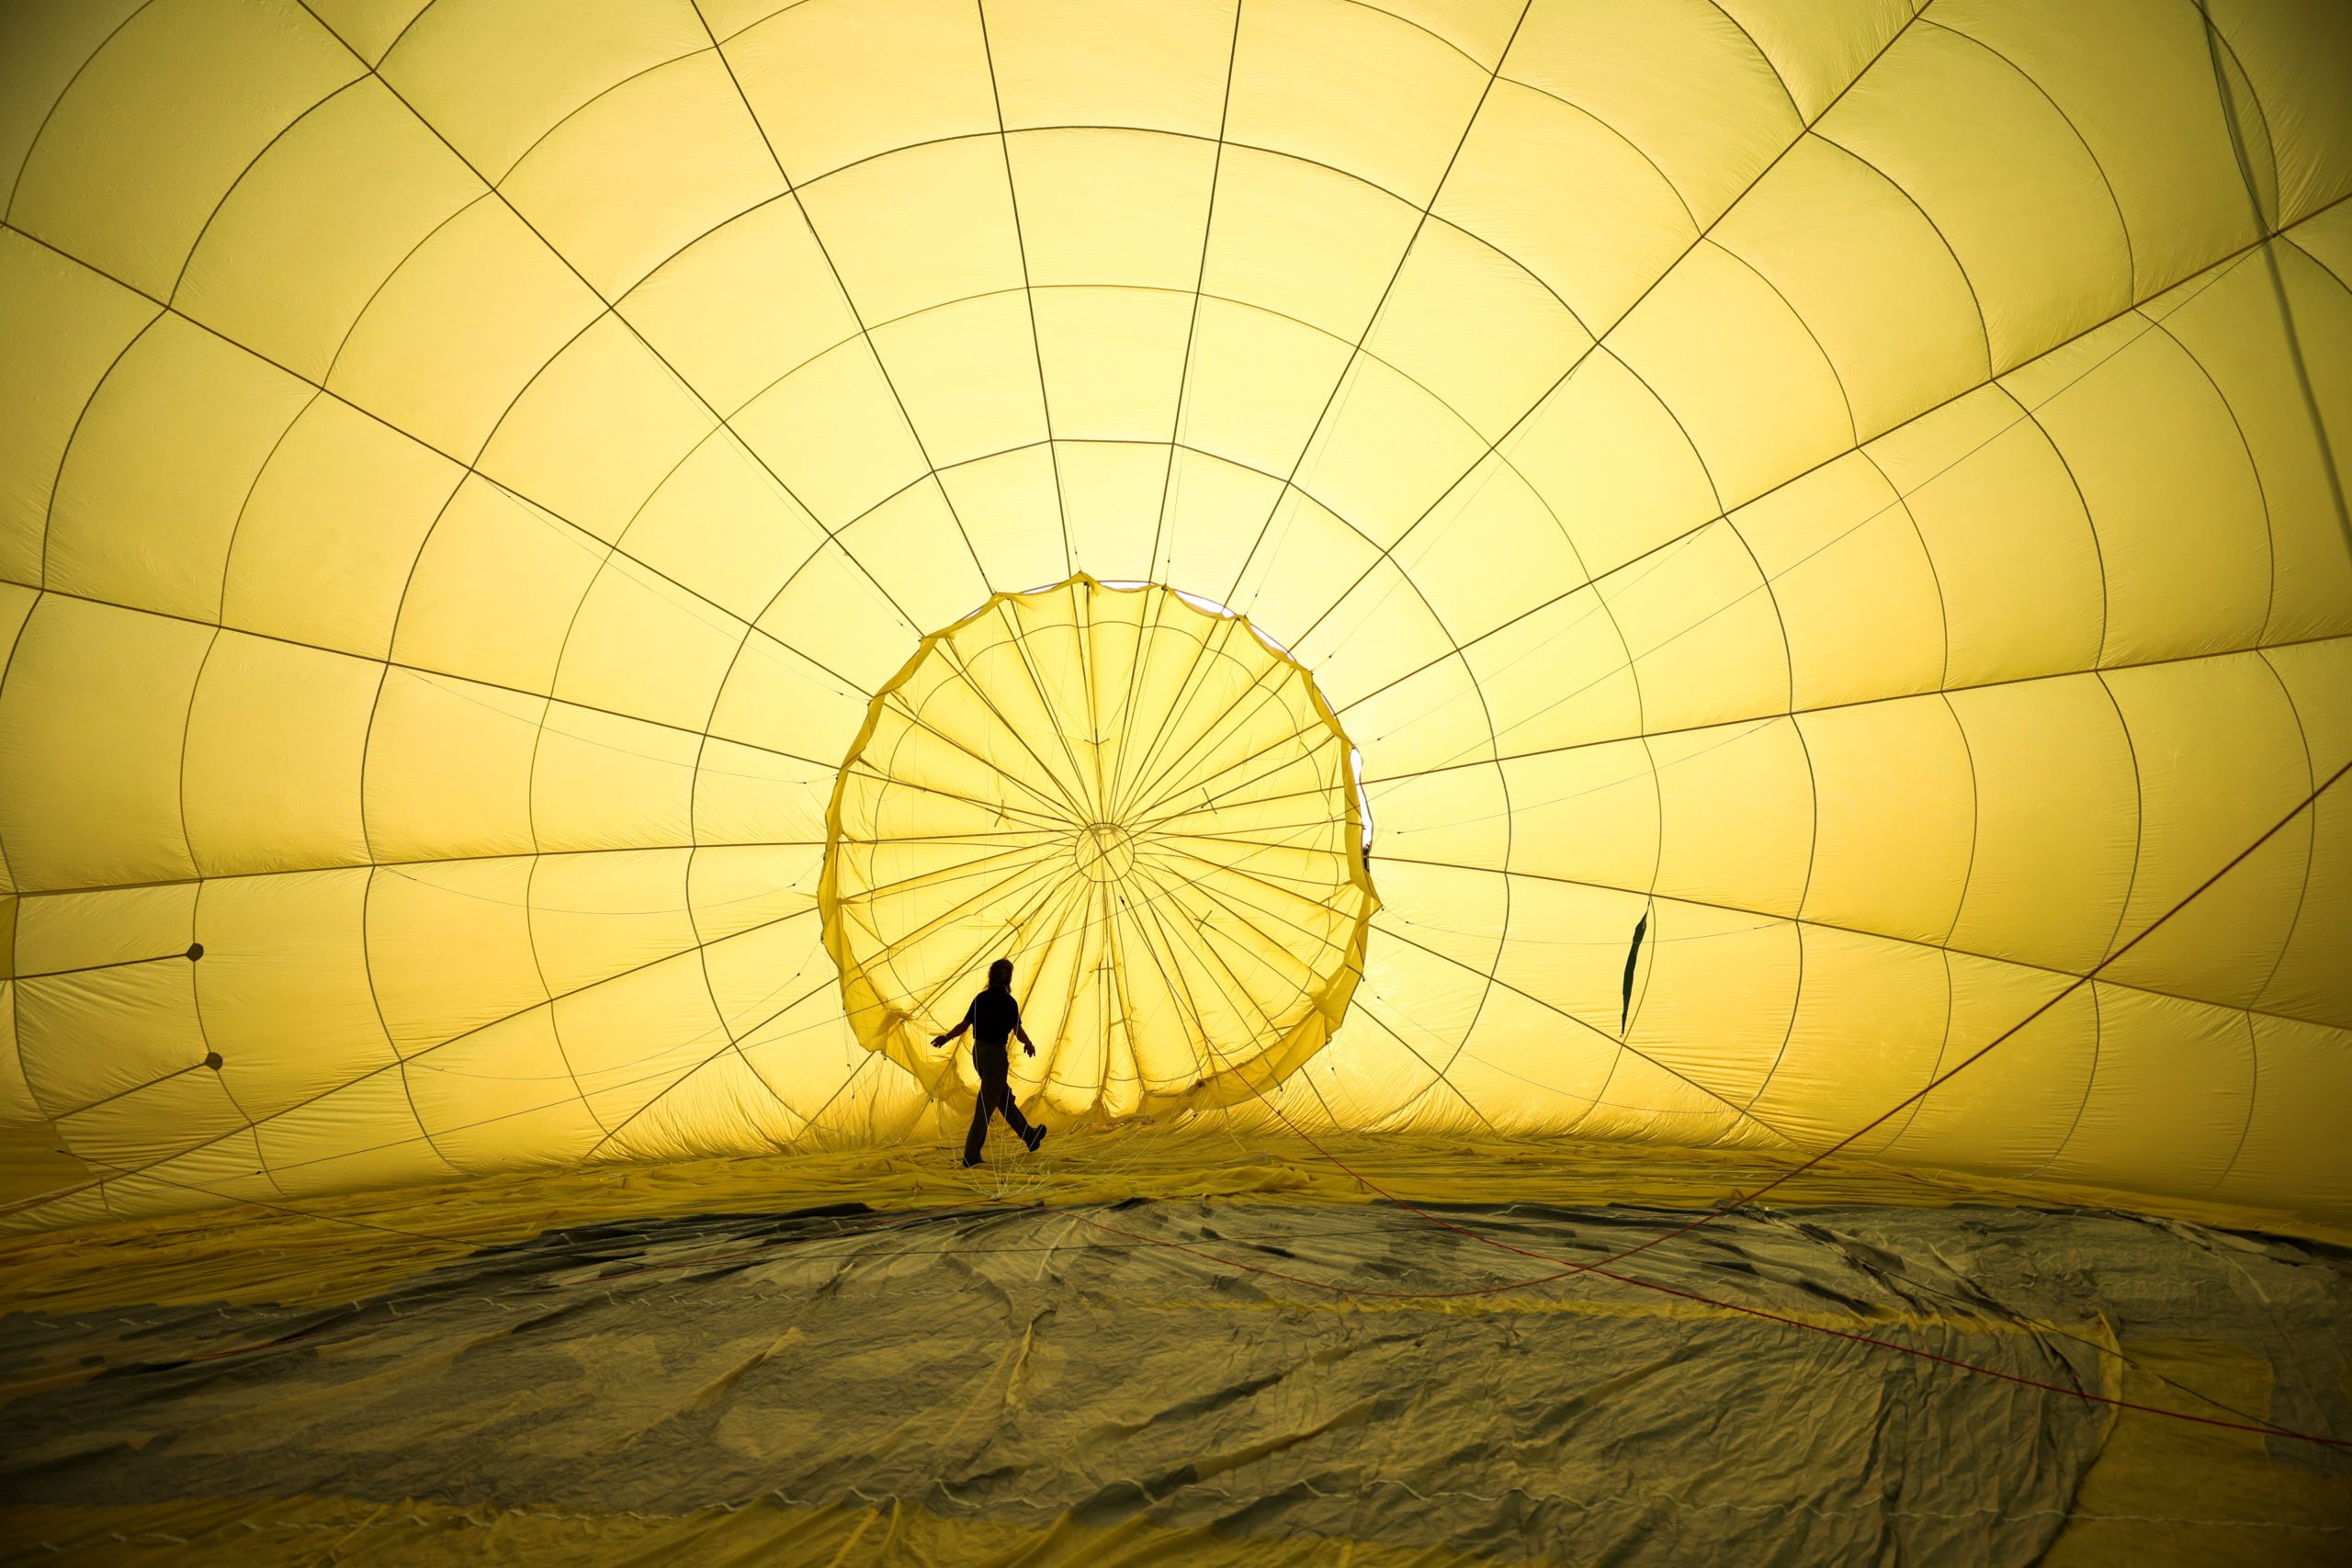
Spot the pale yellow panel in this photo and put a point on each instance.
(1569, 198)
(1895, 817)
(2222, 759)
(1868, 1032)
(331, 531)
(283, 987)
(2311, 979)
(1490, 515)
(2285, 53)
(1707, 644)
(919, 228)
(503, 1099)
(2017, 565)
(91, 721)
(1611, 462)
(743, 796)
(1816, 48)
(45, 52)
(448, 768)
(1589, 815)
(317, 223)
(62, 328)
(368, 26)
(494, 589)
(1717, 997)
(149, 492)
(2169, 1101)
(449, 948)
(1556, 677)
(595, 916)
(455, 333)
(600, 781)
(1475, 329)
(146, 1013)
(1141, 62)
(837, 80)
(632, 1035)
(2010, 1109)
(58, 932)
(831, 614)
(1104, 207)
(2057, 821)
(494, 78)
(597, 430)
(1737, 815)
(2145, 438)
(608, 190)
(2002, 177)
(1007, 507)
(1308, 242)
(1109, 493)
(784, 305)
(2291, 1158)
(1747, 382)
(2234, 326)
(1351, 87)
(365, 1134)
(100, 186)
(270, 781)
(1851, 583)
(1679, 81)
(832, 434)
(1254, 387)
(1870, 277)
(967, 375)
(1114, 362)
(913, 550)
(2138, 88)
(1357, 465)
(643, 646)
(720, 526)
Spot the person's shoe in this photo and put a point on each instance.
(1036, 1135)
(970, 1163)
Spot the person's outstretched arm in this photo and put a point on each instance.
(943, 1039)
(1028, 1046)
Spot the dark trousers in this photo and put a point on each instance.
(996, 1095)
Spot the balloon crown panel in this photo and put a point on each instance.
(1853, 488)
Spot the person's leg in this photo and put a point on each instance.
(1010, 1111)
(979, 1124)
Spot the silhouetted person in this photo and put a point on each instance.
(994, 1018)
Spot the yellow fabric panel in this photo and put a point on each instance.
(2016, 557)
(296, 1018)
(64, 328)
(151, 531)
(331, 529)
(1896, 819)
(269, 774)
(460, 327)
(1993, 165)
(303, 240)
(2078, 828)
(557, 554)
(92, 746)
(159, 192)
(494, 79)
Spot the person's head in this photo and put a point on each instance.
(1001, 974)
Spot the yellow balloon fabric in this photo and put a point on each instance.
(493, 496)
